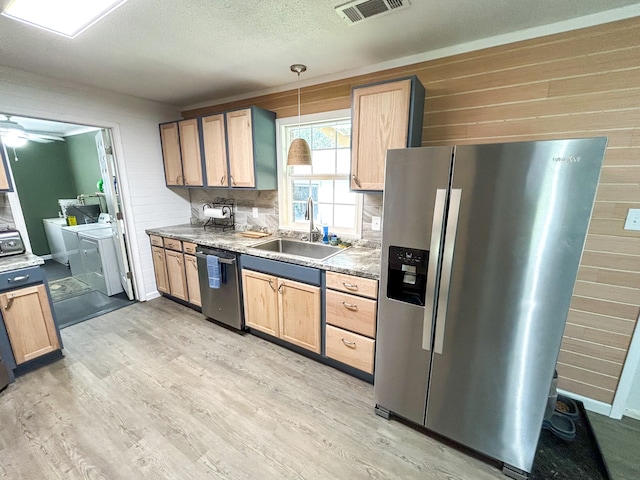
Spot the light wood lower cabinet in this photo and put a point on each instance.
(193, 283)
(29, 322)
(160, 269)
(261, 302)
(283, 308)
(176, 274)
(351, 320)
(350, 348)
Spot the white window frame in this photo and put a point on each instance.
(286, 223)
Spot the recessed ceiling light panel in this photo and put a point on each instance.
(65, 17)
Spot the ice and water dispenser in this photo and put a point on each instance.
(407, 272)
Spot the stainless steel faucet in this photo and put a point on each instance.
(308, 215)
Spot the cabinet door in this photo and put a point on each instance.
(193, 284)
(160, 269)
(190, 150)
(380, 122)
(215, 150)
(175, 273)
(171, 153)
(299, 305)
(260, 302)
(240, 140)
(29, 321)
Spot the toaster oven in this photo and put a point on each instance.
(11, 243)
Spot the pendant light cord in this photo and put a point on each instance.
(299, 135)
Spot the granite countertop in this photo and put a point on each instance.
(16, 262)
(356, 260)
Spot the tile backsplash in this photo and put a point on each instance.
(266, 201)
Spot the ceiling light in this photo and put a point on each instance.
(13, 138)
(65, 17)
(299, 151)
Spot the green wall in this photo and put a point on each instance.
(42, 175)
(84, 164)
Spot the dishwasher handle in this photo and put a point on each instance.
(227, 261)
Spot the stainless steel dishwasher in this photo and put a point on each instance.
(221, 304)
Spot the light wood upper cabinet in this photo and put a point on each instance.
(261, 302)
(239, 149)
(160, 269)
(215, 150)
(241, 155)
(29, 322)
(170, 140)
(190, 152)
(299, 306)
(193, 283)
(176, 274)
(386, 115)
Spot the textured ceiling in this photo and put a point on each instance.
(185, 52)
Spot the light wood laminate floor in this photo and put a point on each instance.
(153, 391)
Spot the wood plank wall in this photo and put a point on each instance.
(577, 84)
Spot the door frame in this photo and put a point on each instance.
(123, 182)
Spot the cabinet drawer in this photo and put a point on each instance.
(351, 284)
(173, 244)
(351, 312)
(156, 241)
(350, 348)
(189, 247)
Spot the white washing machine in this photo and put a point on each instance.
(72, 244)
(100, 264)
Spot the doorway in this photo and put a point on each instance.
(65, 181)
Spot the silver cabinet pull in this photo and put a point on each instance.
(232, 180)
(222, 180)
(280, 287)
(349, 344)
(19, 278)
(350, 306)
(271, 285)
(350, 286)
(356, 181)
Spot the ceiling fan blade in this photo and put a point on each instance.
(34, 135)
(39, 139)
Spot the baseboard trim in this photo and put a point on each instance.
(151, 296)
(46, 257)
(628, 412)
(589, 403)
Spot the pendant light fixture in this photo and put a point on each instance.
(299, 151)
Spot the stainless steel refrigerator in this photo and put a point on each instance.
(480, 251)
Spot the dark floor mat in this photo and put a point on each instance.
(581, 459)
(83, 307)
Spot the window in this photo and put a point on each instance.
(326, 181)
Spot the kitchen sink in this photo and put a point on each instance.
(317, 251)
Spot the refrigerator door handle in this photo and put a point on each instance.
(447, 265)
(432, 270)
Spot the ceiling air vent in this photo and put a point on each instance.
(359, 10)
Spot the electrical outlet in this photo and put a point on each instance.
(255, 212)
(375, 223)
(633, 219)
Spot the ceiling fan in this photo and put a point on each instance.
(15, 135)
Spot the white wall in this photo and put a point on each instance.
(134, 123)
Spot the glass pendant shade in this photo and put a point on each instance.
(299, 153)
